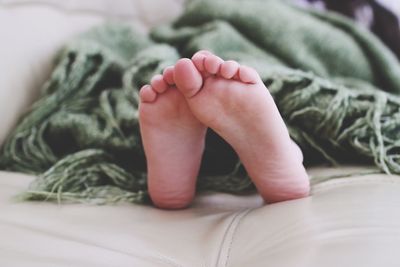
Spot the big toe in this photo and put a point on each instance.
(187, 78)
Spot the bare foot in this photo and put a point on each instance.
(173, 141)
(233, 101)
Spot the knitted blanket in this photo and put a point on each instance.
(335, 84)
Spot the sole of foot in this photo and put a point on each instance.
(173, 140)
(233, 101)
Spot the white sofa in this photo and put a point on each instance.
(348, 221)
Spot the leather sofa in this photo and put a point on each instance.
(350, 220)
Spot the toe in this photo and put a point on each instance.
(168, 75)
(147, 94)
(158, 84)
(229, 69)
(198, 60)
(248, 75)
(187, 78)
(204, 52)
(212, 64)
(200, 55)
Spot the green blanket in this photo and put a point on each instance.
(82, 137)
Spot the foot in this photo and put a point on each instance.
(173, 141)
(233, 101)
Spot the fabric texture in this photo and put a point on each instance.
(82, 137)
(380, 16)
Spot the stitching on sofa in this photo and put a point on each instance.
(225, 236)
(239, 221)
(229, 235)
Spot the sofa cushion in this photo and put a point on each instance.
(347, 222)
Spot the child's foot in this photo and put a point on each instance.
(232, 100)
(173, 141)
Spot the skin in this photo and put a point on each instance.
(179, 105)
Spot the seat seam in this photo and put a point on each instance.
(239, 221)
(229, 235)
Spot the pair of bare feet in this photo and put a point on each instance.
(205, 91)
